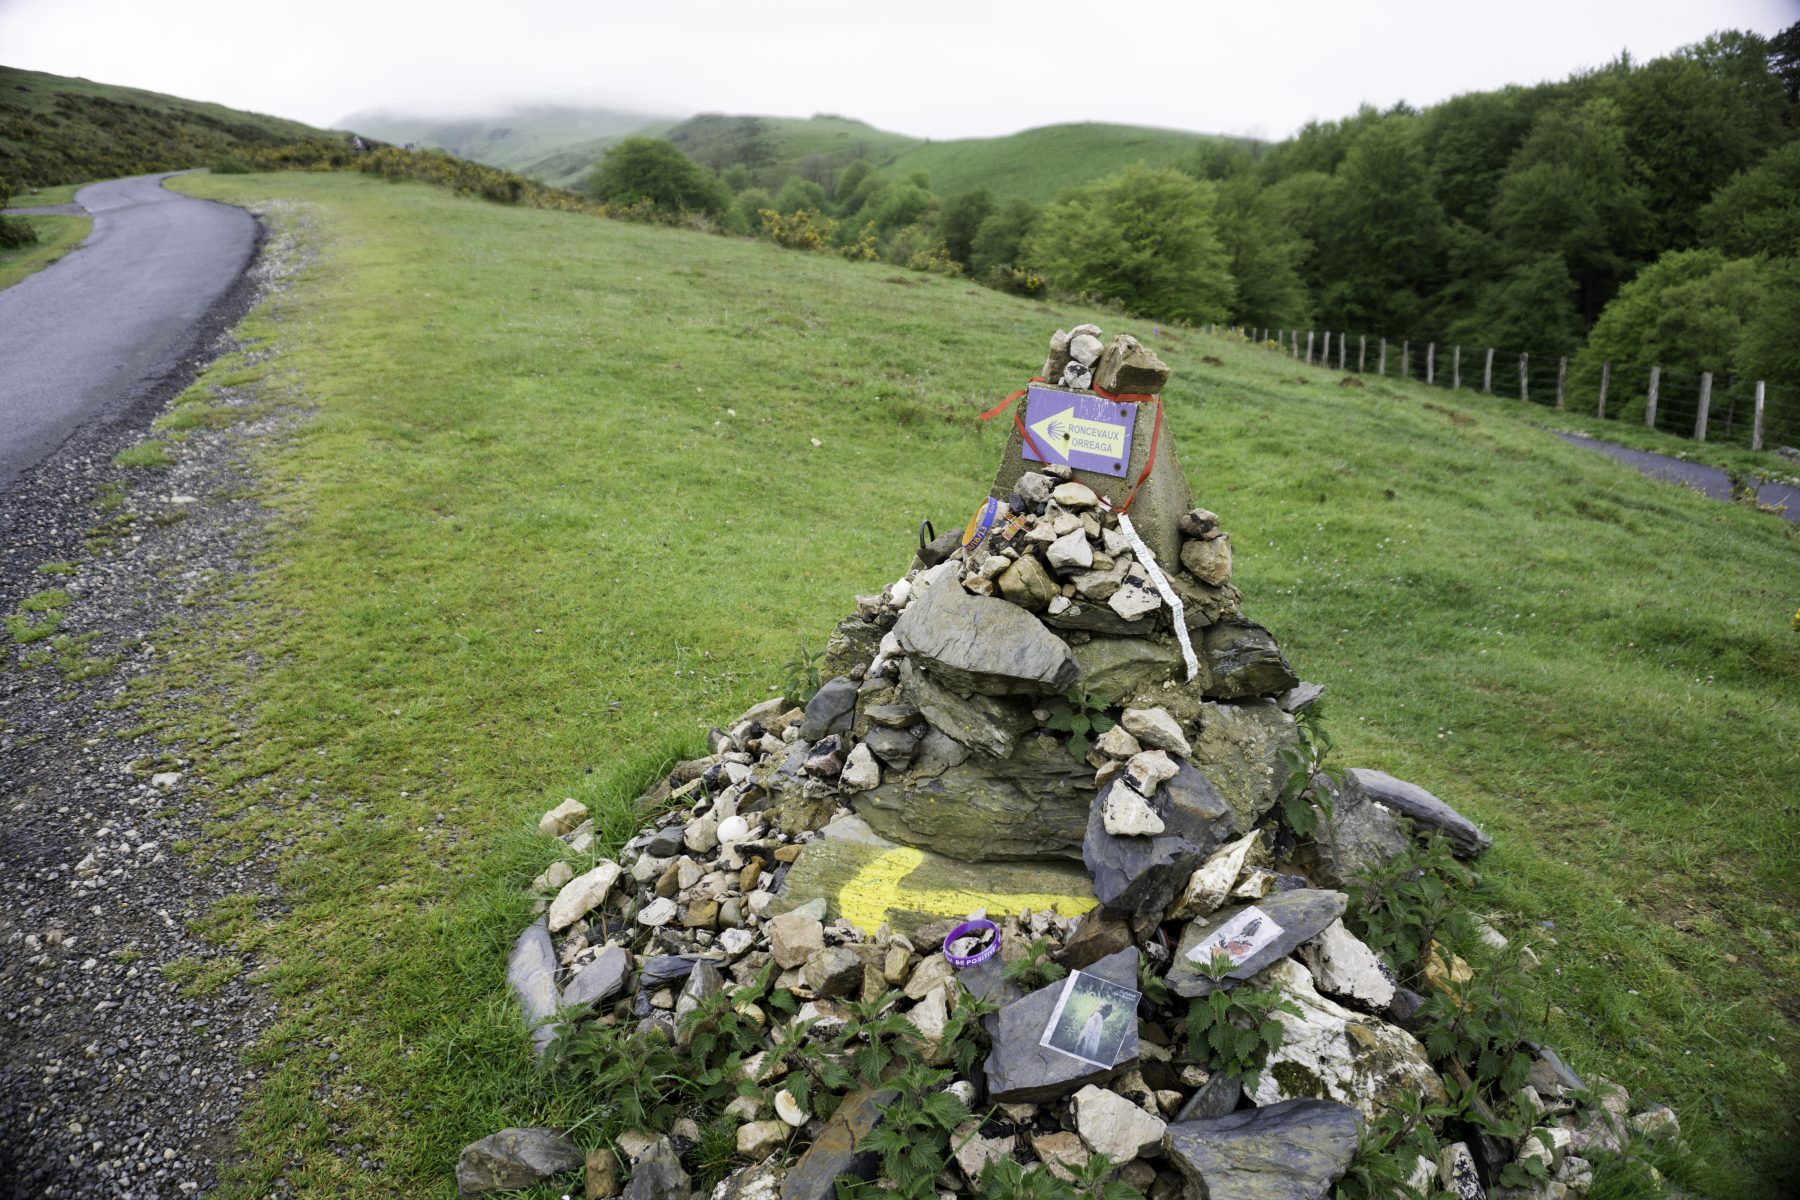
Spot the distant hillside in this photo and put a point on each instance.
(1038, 163)
(54, 129)
(774, 148)
(553, 143)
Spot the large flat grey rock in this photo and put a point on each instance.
(1139, 876)
(1295, 1150)
(1019, 1070)
(1419, 806)
(513, 1159)
(1302, 914)
(980, 644)
(531, 970)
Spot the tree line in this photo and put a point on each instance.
(1635, 213)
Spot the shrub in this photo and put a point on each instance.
(643, 169)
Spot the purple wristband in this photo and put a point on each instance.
(964, 930)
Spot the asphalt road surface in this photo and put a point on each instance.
(88, 338)
(1709, 480)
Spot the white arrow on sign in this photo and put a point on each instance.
(1064, 432)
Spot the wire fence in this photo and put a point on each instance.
(1701, 405)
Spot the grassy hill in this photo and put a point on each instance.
(1038, 163)
(55, 129)
(554, 143)
(776, 147)
(556, 508)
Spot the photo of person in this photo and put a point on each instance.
(1091, 1019)
(1238, 938)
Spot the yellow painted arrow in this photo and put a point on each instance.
(880, 887)
(1064, 433)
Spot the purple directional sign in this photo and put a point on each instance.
(1083, 431)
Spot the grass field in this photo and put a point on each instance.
(56, 237)
(1039, 163)
(46, 197)
(557, 509)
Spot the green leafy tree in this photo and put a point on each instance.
(1569, 192)
(799, 193)
(1262, 252)
(746, 210)
(850, 177)
(903, 205)
(960, 219)
(1145, 238)
(648, 169)
(736, 177)
(999, 241)
(1386, 233)
(1758, 212)
(1532, 308)
(1769, 350)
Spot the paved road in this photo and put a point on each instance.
(86, 337)
(1710, 480)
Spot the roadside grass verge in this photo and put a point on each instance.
(47, 197)
(558, 509)
(56, 237)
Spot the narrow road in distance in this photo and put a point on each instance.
(1708, 480)
(84, 339)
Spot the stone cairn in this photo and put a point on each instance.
(932, 774)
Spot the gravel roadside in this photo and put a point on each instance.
(122, 1066)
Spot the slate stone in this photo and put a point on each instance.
(1019, 1070)
(895, 747)
(1238, 748)
(833, 1153)
(1244, 660)
(666, 842)
(1419, 806)
(1113, 669)
(1128, 367)
(703, 983)
(603, 977)
(657, 1175)
(1300, 697)
(1551, 1074)
(982, 644)
(854, 642)
(1217, 1097)
(513, 1159)
(1027, 584)
(531, 969)
(1353, 837)
(666, 968)
(1092, 617)
(831, 710)
(1204, 605)
(990, 724)
(1028, 806)
(1138, 876)
(1302, 915)
(1095, 936)
(1295, 1150)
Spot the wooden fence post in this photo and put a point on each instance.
(1705, 403)
(1326, 360)
(1362, 351)
(1756, 422)
(1294, 344)
(1406, 358)
(1381, 368)
(1524, 376)
(1343, 348)
(1650, 404)
(1456, 370)
(1430, 362)
(1605, 378)
(1309, 338)
(1487, 373)
(1562, 373)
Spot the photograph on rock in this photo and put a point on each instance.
(1091, 1019)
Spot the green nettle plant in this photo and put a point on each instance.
(801, 675)
(1305, 762)
(1077, 713)
(1034, 968)
(1234, 1029)
(913, 1138)
(1398, 907)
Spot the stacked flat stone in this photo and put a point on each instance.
(940, 739)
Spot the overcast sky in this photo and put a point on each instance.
(973, 68)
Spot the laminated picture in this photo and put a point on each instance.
(1091, 1019)
(1238, 938)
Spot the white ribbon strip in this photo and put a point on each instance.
(1168, 594)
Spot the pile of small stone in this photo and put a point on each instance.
(945, 732)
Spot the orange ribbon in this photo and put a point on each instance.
(1115, 397)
